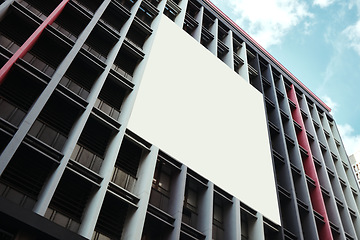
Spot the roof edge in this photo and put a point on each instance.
(268, 54)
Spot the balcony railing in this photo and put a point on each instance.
(74, 87)
(134, 43)
(106, 108)
(84, 7)
(159, 200)
(32, 9)
(8, 44)
(86, 158)
(126, 75)
(123, 179)
(64, 31)
(62, 220)
(94, 52)
(47, 135)
(39, 64)
(11, 113)
(99, 236)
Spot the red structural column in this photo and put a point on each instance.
(31, 40)
(317, 200)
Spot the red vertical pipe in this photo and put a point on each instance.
(31, 40)
(310, 170)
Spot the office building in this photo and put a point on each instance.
(160, 119)
(355, 163)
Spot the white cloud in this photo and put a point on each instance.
(352, 33)
(270, 22)
(328, 101)
(323, 3)
(351, 141)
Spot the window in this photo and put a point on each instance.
(218, 222)
(160, 192)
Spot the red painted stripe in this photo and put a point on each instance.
(268, 54)
(310, 169)
(31, 41)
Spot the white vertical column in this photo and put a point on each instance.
(133, 226)
(244, 71)
(256, 228)
(50, 186)
(199, 18)
(179, 20)
(206, 212)
(214, 29)
(177, 201)
(4, 7)
(229, 57)
(233, 221)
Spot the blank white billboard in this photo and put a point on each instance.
(196, 109)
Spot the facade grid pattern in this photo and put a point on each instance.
(70, 73)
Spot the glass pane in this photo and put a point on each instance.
(64, 81)
(14, 196)
(192, 198)
(6, 109)
(85, 158)
(17, 117)
(164, 181)
(60, 142)
(2, 188)
(164, 203)
(97, 164)
(115, 114)
(155, 198)
(74, 226)
(4, 41)
(39, 64)
(48, 135)
(48, 213)
(84, 93)
(75, 152)
(14, 47)
(74, 87)
(29, 203)
(61, 219)
(106, 108)
(120, 178)
(218, 213)
(49, 71)
(131, 183)
(35, 128)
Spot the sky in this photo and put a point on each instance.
(316, 40)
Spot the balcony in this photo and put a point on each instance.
(8, 44)
(122, 73)
(252, 70)
(123, 179)
(89, 6)
(115, 17)
(39, 64)
(64, 31)
(108, 109)
(171, 9)
(127, 164)
(87, 158)
(128, 4)
(206, 36)
(18, 184)
(112, 216)
(69, 200)
(11, 113)
(32, 9)
(74, 87)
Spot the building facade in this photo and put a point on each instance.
(160, 119)
(355, 163)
